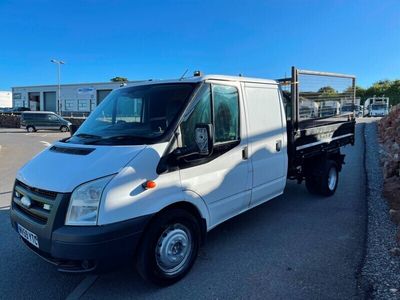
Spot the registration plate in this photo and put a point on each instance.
(29, 236)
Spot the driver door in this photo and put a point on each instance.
(221, 179)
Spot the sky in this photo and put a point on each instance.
(99, 40)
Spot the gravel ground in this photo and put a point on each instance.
(381, 271)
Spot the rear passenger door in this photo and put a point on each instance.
(39, 120)
(267, 140)
(223, 179)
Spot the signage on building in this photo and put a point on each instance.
(86, 91)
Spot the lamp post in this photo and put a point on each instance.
(58, 63)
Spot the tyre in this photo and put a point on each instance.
(30, 129)
(169, 247)
(64, 128)
(329, 178)
(323, 180)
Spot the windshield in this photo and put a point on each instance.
(378, 106)
(348, 108)
(134, 115)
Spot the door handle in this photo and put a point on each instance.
(245, 153)
(278, 145)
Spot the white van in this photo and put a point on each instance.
(155, 167)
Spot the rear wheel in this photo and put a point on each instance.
(30, 129)
(63, 128)
(169, 247)
(323, 179)
(330, 178)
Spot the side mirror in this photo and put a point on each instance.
(72, 129)
(204, 138)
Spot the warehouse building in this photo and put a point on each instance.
(79, 98)
(5, 99)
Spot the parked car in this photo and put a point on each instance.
(5, 109)
(158, 165)
(14, 110)
(37, 120)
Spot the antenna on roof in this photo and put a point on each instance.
(183, 75)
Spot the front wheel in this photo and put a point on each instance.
(64, 128)
(30, 129)
(169, 247)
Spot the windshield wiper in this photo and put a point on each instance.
(121, 138)
(88, 136)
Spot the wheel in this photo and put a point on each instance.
(169, 247)
(323, 179)
(64, 128)
(30, 129)
(329, 178)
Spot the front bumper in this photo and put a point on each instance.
(75, 248)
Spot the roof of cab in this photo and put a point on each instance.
(37, 112)
(233, 78)
(195, 79)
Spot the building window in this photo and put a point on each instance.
(70, 105)
(83, 105)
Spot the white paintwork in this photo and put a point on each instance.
(224, 183)
(62, 173)
(219, 189)
(370, 110)
(266, 129)
(125, 198)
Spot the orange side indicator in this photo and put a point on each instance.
(149, 184)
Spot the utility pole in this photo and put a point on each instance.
(58, 63)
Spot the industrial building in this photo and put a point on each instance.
(78, 98)
(5, 99)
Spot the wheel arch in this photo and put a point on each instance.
(189, 207)
(64, 126)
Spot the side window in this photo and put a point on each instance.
(52, 117)
(201, 114)
(226, 111)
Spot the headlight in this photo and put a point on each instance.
(84, 203)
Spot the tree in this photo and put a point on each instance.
(119, 79)
(360, 92)
(387, 88)
(327, 90)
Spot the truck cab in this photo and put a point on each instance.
(152, 169)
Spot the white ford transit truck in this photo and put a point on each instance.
(160, 163)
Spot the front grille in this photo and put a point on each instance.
(38, 219)
(40, 202)
(45, 193)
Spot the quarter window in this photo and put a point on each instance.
(200, 114)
